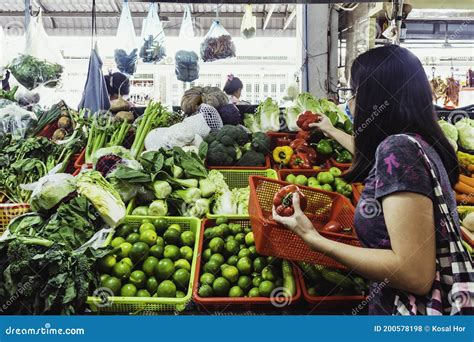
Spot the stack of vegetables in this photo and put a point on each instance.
(265, 119)
(461, 134)
(232, 146)
(47, 256)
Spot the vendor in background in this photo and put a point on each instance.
(233, 88)
(117, 85)
(408, 226)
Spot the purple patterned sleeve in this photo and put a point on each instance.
(400, 168)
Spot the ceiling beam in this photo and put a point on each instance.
(269, 16)
(281, 2)
(290, 19)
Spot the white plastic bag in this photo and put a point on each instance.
(248, 28)
(41, 62)
(153, 37)
(186, 67)
(16, 120)
(217, 44)
(126, 54)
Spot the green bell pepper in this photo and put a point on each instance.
(324, 147)
(343, 156)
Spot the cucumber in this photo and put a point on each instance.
(311, 272)
(337, 279)
(288, 280)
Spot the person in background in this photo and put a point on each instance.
(233, 88)
(406, 218)
(117, 85)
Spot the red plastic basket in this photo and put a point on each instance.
(356, 193)
(81, 160)
(240, 303)
(275, 240)
(265, 167)
(342, 166)
(48, 130)
(328, 302)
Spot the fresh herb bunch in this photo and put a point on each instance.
(31, 71)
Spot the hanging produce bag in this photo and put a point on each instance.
(248, 28)
(153, 37)
(187, 67)
(217, 44)
(126, 55)
(41, 62)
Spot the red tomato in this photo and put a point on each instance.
(333, 227)
(283, 200)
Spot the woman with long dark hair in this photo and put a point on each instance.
(233, 88)
(411, 242)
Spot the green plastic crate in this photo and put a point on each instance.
(240, 179)
(135, 305)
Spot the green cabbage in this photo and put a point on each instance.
(449, 130)
(268, 116)
(241, 198)
(50, 190)
(466, 133)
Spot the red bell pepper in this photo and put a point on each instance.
(283, 200)
(307, 118)
(303, 135)
(300, 160)
(297, 143)
(310, 153)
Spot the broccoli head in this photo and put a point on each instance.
(219, 154)
(232, 135)
(252, 158)
(260, 142)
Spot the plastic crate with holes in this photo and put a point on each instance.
(8, 211)
(342, 166)
(240, 179)
(142, 305)
(214, 303)
(273, 239)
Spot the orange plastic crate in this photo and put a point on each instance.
(356, 193)
(239, 303)
(8, 211)
(265, 167)
(342, 166)
(275, 240)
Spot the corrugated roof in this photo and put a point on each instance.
(72, 17)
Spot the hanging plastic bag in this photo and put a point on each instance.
(248, 28)
(187, 67)
(153, 37)
(217, 44)
(126, 56)
(41, 62)
(16, 121)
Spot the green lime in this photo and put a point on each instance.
(236, 291)
(221, 220)
(209, 233)
(206, 255)
(249, 240)
(149, 265)
(181, 278)
(117, 241)
(221, 287)
(233, 259)
(269, 273)
(247, 230)
(139, 251)
(146, 226)
(166, 289)
(211, 266)
(138, 278)
(244, 282)
(265, 288)
(113, 283)
(157, 251)
(232, 247)
(175, 226)
(225, 229)
(122, 270)
(229, 238)
(124, 230)
(187, 238)
(103, 277)
(218, 258)
(186, 253)
(128, 290)
(146, 220)
(180, 294)
(149, 237)
(160, 225)
(218, 232)
(254, 292)
(127, 261)
(107, 263)
(152, 284)
(183, 264)
(245, 265)
(216, 245)
(132, 238)
(164, 269)
(160, 241)
(257, 280)
(253, 251)
(259, 264)
(231, 273)
(205, 290)
(172, 236)
(143, 293)
(240, 238)
(125, 249)
(244, 252)
(224, 266)
(235, 228)
(172, 252)
(207, 278)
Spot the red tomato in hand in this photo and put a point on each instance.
(283, 200)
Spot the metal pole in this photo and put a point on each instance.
(27, 13)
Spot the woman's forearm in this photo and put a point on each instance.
(346, 140)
